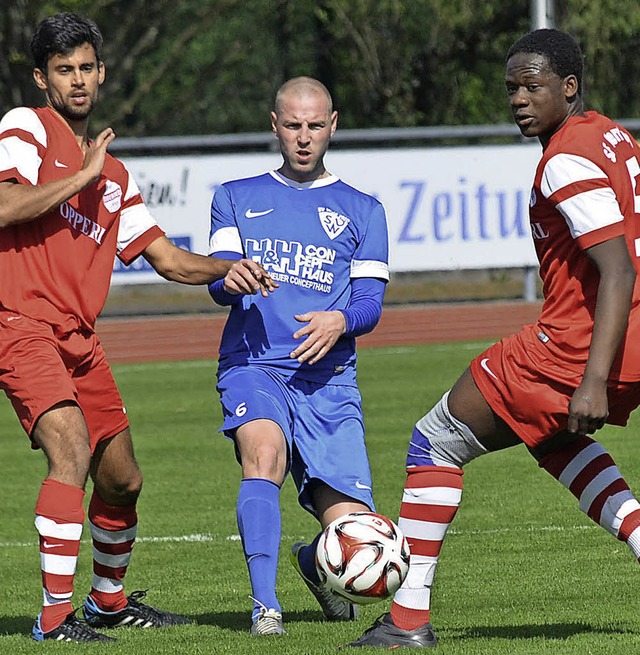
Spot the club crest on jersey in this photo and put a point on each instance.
(112, 197)
(332, 222)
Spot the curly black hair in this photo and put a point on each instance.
(561, 50)
(62, 33)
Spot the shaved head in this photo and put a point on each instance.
(302, 87)
(303, 122)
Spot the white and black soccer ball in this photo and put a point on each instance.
(362, 557)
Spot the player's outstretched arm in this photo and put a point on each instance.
(20, 203)
(179, 265)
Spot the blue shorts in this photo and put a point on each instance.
(322, 424)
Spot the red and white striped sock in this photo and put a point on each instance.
(430, 501)
(113, 530)
(59, 520)
(591, 475)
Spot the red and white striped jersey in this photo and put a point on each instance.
(57, 268)
(585, 192)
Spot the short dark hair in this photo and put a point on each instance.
(62, 33)
(560, 48)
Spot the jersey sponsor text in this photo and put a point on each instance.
(81, 223)
(293, 263)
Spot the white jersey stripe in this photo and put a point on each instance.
(15, 153)
(564, 169)
(25, 119)
(134, 222)
(360, 268)
(226, 239)
(132, 189)
(590, 210)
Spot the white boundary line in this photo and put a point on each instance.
(207, 537)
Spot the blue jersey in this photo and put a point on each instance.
(313, 239)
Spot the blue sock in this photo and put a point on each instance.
(307, 560)
(258, 513)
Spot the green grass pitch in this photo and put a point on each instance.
(522, 572)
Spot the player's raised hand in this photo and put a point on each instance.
(95, 153)
(247, 276)
(322, 330)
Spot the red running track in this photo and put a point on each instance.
(197, 336)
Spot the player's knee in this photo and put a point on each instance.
(266, 460)
(130, 489)
(121, 491)
(123, 496)
(439, 439)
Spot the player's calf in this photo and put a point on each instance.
(440, 446)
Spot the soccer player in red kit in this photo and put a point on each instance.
(561, 379)
(67, 208)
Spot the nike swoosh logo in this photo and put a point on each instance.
(59, 164)
(251, 214)
(359, 485)
(46, 545)
(483, 363)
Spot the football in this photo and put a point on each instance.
(362, 557)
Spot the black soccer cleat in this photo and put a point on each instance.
(385, 634)
(71, 629)
(135, 614)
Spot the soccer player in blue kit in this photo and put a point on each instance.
(287, 368)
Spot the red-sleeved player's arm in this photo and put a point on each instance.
(20, 203)
(588, 408)
(180, 265)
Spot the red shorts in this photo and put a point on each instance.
(529, 389)
(39, 370)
